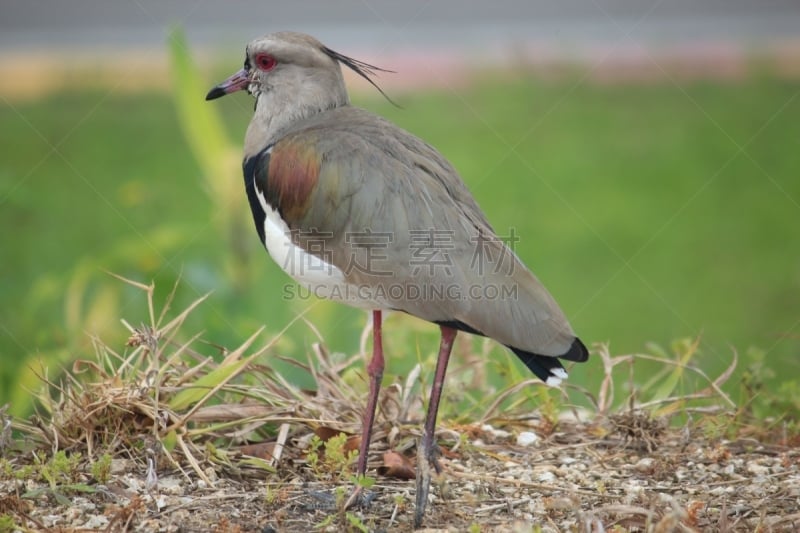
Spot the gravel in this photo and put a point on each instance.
(501, 479)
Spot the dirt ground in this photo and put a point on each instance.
(580, 477)
(149, 441)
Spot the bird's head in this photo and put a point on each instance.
(292, 75)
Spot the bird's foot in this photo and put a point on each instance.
(360, 497)
(331, 501)
(427, 457)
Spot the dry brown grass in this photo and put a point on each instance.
(226, 443)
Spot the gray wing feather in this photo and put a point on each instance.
(385, 181)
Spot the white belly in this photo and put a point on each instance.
(321, 278)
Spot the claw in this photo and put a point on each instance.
(423, 483)
(353, 497)
(360, 498)
(427, 457)
(427, 451)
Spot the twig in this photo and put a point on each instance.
(529, 484)
(507, 504)
(277, 451)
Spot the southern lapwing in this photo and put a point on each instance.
(356, 209)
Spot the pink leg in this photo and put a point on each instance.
(375, 372)
(425, 453)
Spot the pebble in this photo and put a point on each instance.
(633, 488)
(51, 520)
(757, 469)
(497, 433)
(72, 515)
(133, 483)
(96, 522)
(161, 502)
(644, 465)
(526, 438)
(546, 477)
(171, 486)
(120, 466)
(211, 473)
(720, 491)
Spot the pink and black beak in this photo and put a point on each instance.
(237, 82)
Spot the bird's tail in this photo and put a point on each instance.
(548, 368)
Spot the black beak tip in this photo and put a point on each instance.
(215, 93)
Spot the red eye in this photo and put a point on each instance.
(265, 61)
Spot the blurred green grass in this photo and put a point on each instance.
(652, 212)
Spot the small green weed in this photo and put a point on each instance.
(356, 522)
(8, 524)
(326, 522)
(330, 459)
(313, 454)
(101, 469)
(7, 469)
(62, 474)
(365, 482)
(61, 469)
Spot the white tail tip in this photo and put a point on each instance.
(559, 374)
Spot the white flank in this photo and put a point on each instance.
(295, 261)
(317, 275)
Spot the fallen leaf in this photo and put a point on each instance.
(325, 433)
(262, 450)
(397, 465)
(353, 442)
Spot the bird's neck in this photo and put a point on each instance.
(277, 111)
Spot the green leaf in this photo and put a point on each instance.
(80, 487)
(199, 389)
(60, 498)
(356, 522)
(684, 351)
(200, 122)
(256, 462)
(169, 441)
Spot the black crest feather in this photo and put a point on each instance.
(365, 70)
